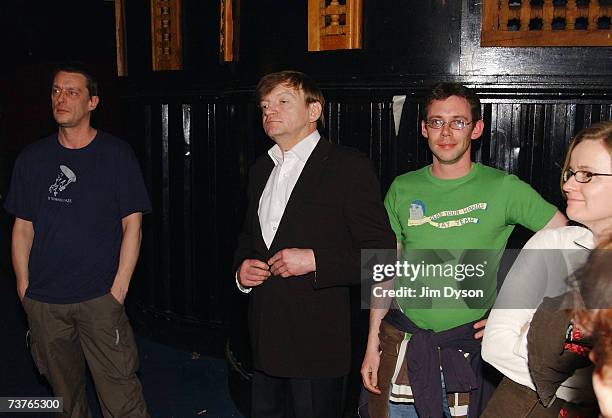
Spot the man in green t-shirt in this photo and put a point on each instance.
(437, 213)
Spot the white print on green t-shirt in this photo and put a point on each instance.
(417, 215)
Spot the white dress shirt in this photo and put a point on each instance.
(288, 166)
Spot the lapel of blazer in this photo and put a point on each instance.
(309, 180)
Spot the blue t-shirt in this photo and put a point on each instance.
(75, 199)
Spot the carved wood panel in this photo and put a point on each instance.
(546, 23)
(121, 38)
(334, 24)
(166, 36)
(229, 30)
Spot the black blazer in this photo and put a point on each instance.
(300, 326)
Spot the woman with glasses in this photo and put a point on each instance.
(512, 343)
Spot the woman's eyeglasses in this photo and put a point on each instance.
(581, 176)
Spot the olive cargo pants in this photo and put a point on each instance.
(97, 331)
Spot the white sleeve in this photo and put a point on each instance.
(241, 287)
(520, 346)
(503, 345)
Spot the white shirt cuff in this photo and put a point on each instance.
(241, 287)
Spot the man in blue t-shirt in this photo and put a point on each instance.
(78, 198)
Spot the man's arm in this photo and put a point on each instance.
(23, 236)
(557, 221)
(525, 206)
(378, 309)
(371, 360)
(128, 256)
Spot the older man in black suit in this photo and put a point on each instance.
(312, 207)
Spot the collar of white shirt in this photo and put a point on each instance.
(301, 150)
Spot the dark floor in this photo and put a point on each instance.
(176, 383)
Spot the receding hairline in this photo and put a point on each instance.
(69, 72)
(287, 86)
(291, 79)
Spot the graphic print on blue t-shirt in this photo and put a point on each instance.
(65, 177)
(416, 215)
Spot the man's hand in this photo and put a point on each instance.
(118, 293)
(369, 371)
(128, 255)
(292, 262)
(480, 326)
(21, 290)
(253, 272)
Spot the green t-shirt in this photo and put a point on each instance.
(446, 217)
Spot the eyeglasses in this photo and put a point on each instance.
(581, 176)
(456, 124)
(57, 91)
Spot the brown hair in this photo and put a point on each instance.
(293, 79)
(443, 91)
(593, 312)
(601, 131)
